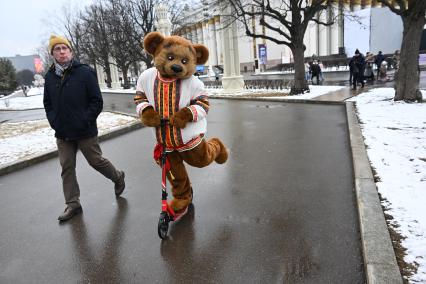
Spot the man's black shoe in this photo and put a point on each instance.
(70, 212)
(120, 185)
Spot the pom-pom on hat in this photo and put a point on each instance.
(54, 40)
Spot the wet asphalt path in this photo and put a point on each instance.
(281, 210)
(21, 115)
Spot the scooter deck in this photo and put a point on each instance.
(180, 214)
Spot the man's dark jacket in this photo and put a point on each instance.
(73, 102)
(358, 64)
(379, 59)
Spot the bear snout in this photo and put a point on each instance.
(176, 68)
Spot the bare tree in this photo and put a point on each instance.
(112, 29)
(407, 76)
(123, 38)
(73, 29)
(96, 41)
(46, 58)
(142, 18)
(288, 21)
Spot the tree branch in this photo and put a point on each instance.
(388, 4)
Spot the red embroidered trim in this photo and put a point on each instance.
(188, 146)
(194, 113)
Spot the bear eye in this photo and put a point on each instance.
(170, 57)
(184, 61)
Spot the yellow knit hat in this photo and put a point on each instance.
(54, 40)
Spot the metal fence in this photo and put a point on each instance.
(271, 84)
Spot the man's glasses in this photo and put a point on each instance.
(59, 48)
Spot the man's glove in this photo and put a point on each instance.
(181, 118)
(150, 117)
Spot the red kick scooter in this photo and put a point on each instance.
(167, 214)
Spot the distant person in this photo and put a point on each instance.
(395, 59)
(25, 90)
(72, 101)
(369, 57)
(383, 76)
(358, 64)
(378, 61)
(368, 73)
(307, 72)
(321, 66)
(315, 71)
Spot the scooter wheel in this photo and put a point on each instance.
(163, 225)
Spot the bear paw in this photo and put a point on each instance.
(150, 117)
(222, 156)
(181, 118)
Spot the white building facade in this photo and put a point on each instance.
(380, 29)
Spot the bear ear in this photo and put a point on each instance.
(151, 42)
(202, 53)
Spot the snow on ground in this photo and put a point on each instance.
(21, 140)
(33, 100)
(395, 138)
(315, 91)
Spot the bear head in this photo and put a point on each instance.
(174, 56)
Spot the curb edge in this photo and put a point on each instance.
(379, 257)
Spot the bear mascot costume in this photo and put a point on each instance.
(169, 90)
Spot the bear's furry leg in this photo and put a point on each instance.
(205, 153)
(202, 155)
(181, 186)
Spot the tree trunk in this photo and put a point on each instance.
(148, 62)
(108, 73)
(126, 84)
(136, 68)
(300, 85)
(407, 75)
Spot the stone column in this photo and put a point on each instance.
(206, 36)
(232, 79)
(340, 35)
(313, 35)
(219, 40)
(199, 28)
(189, 31)
(194, 37)
(101, 76)
(334, 31)
(322, 33)
(115, 82)
(212, 43)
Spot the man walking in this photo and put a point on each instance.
(378, 61)
(358, 64)
(72, 101)
(315, 71)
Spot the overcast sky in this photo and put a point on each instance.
(24, 24)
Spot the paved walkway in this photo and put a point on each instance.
(285, 223)
(282, 210)
(341, 95)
